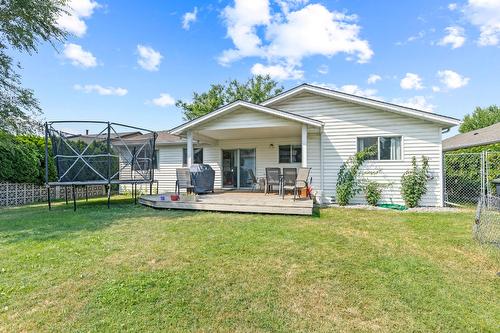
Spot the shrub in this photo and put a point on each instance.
(22, 159)
(373, 192)
(414, 182)
(347, 182)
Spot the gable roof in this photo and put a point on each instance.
(238, 104)
(480, 137)
(446, 121)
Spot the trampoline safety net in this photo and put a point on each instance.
(108, 153)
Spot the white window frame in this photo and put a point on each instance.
(378, 146)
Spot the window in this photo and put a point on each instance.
(290, 154)
(197, 156)
(388, 147)
(365, 143)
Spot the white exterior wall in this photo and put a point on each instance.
(170, 158)
(344, 122)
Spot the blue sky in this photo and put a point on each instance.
(127, 60)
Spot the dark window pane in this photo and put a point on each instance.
(390, 148)
(296, 154)
(365, 143)
(284, 154)
(197, 156)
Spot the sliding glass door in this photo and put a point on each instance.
(237, 168)
(247, 167)
(229, 168)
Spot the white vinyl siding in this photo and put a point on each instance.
(345, 122)
(244, 118)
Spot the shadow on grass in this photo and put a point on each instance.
(36, 222)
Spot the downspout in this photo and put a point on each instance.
(321, 166)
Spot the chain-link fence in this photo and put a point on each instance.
(487, 224)
(468, 176)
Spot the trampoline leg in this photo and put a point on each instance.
(150, 188)
(48, 197)
(66, 194)
(109, 194)
(74, 198)
(86, 194)
(135, 194)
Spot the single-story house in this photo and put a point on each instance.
(481, 137)
(307, 126)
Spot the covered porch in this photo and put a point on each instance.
(241, 139)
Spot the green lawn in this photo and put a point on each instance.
(135, 268)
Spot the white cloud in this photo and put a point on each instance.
(149, 59)
(485, 14)
(278, 72)
(452, 6)
(78, 56)
(188, 18)
(352, 89)
(164, 100)
(373, 78)
(323, 69)
(73, 21)
(356, 90)
(419, 35)
(452, 80)
(416, 102)
(411, 81)
(455, 37)
(436, 89)
(105, 91)
(288, 36)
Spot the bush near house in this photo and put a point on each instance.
(414, 182)
(348, 184)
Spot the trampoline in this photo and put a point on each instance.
(99, 153)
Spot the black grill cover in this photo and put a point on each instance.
(203, 178)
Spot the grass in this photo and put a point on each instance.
(138, 269)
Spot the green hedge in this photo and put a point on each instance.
(22, 159)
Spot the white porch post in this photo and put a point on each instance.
(189, 148)
(304, 146)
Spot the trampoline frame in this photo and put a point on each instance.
(109, 179)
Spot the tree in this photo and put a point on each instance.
(480, 118)
(24, 24)
(255, 90)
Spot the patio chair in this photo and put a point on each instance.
(301, 182)
(253, 179)
(183, 180)
(289, 178)
(273, 177)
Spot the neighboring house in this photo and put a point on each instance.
(481, 137)
(89, 137)
(312, 127)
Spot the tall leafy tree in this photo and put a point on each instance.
(24, 24)
(255, 90)
(480, 118)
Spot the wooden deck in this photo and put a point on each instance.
(240, 202)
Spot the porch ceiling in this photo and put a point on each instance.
(252, 133)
